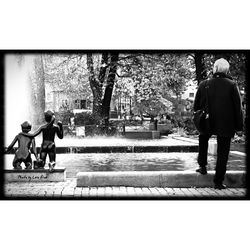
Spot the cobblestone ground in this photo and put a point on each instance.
(68, 189)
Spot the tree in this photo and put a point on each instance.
(109, 87)
(155, 78)
(92, 73)
(200, 68)
(102, 79)
(67, 72)
(204, 65)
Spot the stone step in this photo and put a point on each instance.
(37, 175)
(122, 149)
(180, 179)
(137, 134)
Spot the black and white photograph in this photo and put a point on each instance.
(125, 124)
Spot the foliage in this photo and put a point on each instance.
(67, 72)
(238, 69)
(86, 118)
(90, 74)
(239, 139)
(151, 79)
(64, 116)
(237, 63)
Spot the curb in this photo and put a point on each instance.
(180, 179)
(122, 149)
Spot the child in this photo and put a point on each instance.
(23, 153)
(48, 144)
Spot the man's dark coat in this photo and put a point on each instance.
(225, 108)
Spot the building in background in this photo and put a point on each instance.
(190, 91)
(70, 100)
(184, 103)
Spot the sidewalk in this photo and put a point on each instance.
(68, 190)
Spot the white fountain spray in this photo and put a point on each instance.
(17, 94)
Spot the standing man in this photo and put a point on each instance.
(225, 118)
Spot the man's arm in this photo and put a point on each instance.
(237, 108)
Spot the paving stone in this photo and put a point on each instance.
(230, 192)
(187, 192)
(220, 192)
(100, 192)
(93, 192)
(108, 192)
(41, 193)
(8, 195)
(68, 192)
(238, 193)
(49, 193)
(207, 192)
(195, 192)
(17, 195)
(154, 192)
(77, 192)
(146, 191)
(211, 192)
(85, 192)
(33, 192)
(203, 192)
(178, 192)
(123, 191)
(162, 191)
(8, 191)
(241, 190)
(116, 191)
(138, 191)
(131, 191)
(57, 192)
(169, 191)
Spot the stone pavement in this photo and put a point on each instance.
(68, 190)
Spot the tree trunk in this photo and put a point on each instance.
(96, 90)
(109, 89)
(200, 67)
(107, 74)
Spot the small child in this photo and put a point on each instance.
(23, 152)
(48, 144)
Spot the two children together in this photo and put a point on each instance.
(26, 144)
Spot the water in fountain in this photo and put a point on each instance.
(17, 93)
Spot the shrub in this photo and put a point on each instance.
(189, 126)
(64, 116)
(83, 119)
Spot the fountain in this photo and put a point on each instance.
(17, 94)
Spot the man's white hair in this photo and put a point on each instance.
(221, 66)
